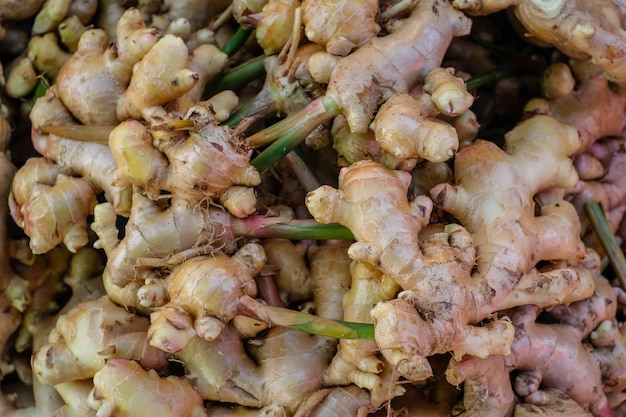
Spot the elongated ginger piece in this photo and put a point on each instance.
(358, 361)
(88, 335)
(291, 271)
(205, 291)
(123, 388)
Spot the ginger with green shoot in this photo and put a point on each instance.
(386, 65)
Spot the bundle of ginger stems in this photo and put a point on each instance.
(313, 208)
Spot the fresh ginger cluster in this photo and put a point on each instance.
(298, 208)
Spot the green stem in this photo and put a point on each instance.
(236, 42)
(237, 77)
(309, 323)
(289, 132)
(262, 227)
(607, 239)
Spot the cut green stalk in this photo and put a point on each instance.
(262, 227)
(289, 132)
(309, 323)
(607, 239)
(235, 43)
(237, 77)
(496, 74)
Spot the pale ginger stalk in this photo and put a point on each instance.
(88, 335)
(92, 161)
(123, 388)
(591, 100)
(55, 212)
(206, 289)
(549, 403)
(194, 164)
(291, 273)
(147, 93)
(340, 26)
(95, 77)
(287, 87)
(543, 354)
(580, 29)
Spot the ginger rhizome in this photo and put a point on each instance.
(204, 292)
(194, 165)
(590, 30)
(435, 269)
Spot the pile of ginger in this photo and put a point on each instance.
(300, 208)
